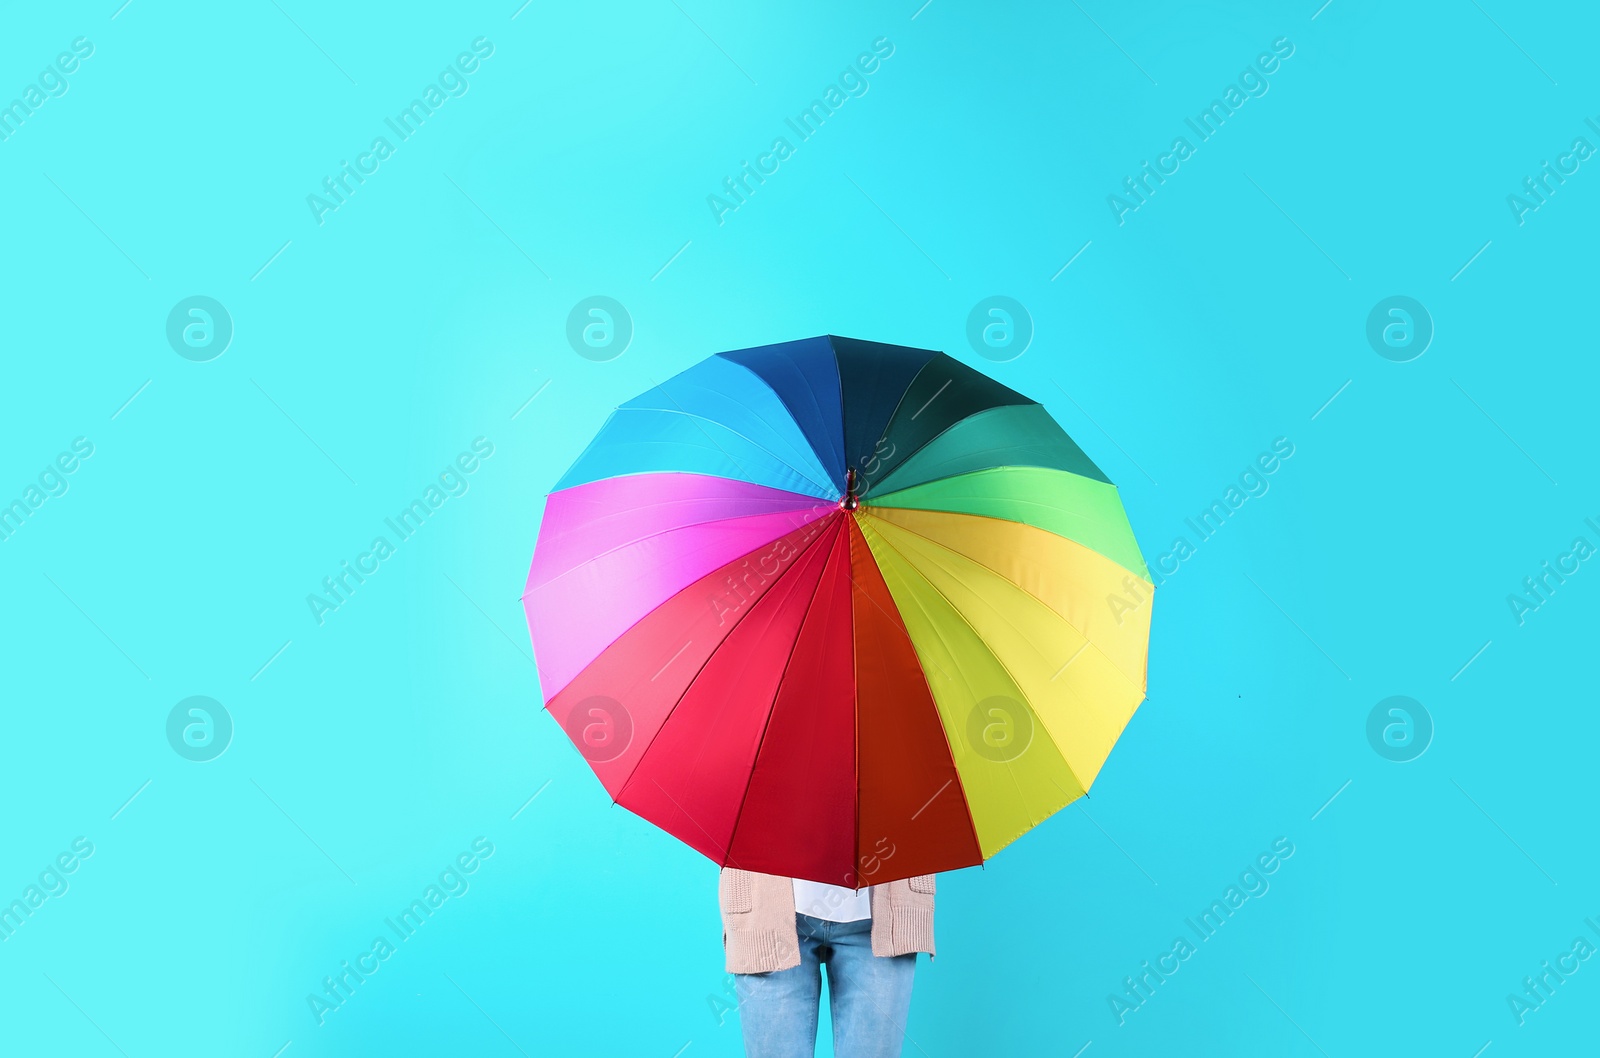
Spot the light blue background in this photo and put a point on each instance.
(427, 310)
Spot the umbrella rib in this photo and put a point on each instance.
(985, 411)
(609, 514)
(950, 753)
(838, 450)
(1084, 787)
(663, 532)
(961, 785)
(623, 789)
(839, 370)
(901, 465)
(687, 815)
(1012, 499)
(1025, 591)
(855, 671)
(653, 609)
(773, 707)
(886, 613)
(855, 713)
(838, 378)
(1026, 502)
(899, 404)
(1004, 667)
(696, 419)
(594, 443)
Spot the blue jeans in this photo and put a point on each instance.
(870, 996)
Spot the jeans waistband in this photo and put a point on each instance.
(807, 926)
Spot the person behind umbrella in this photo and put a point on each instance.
(779, 932)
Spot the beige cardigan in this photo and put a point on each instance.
(758, 927)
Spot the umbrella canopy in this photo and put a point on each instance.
(840, 611)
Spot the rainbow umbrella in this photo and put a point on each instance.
(840, 611)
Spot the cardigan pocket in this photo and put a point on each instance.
(921, 883)
(737, 898)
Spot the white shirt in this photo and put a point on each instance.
(831, 903)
